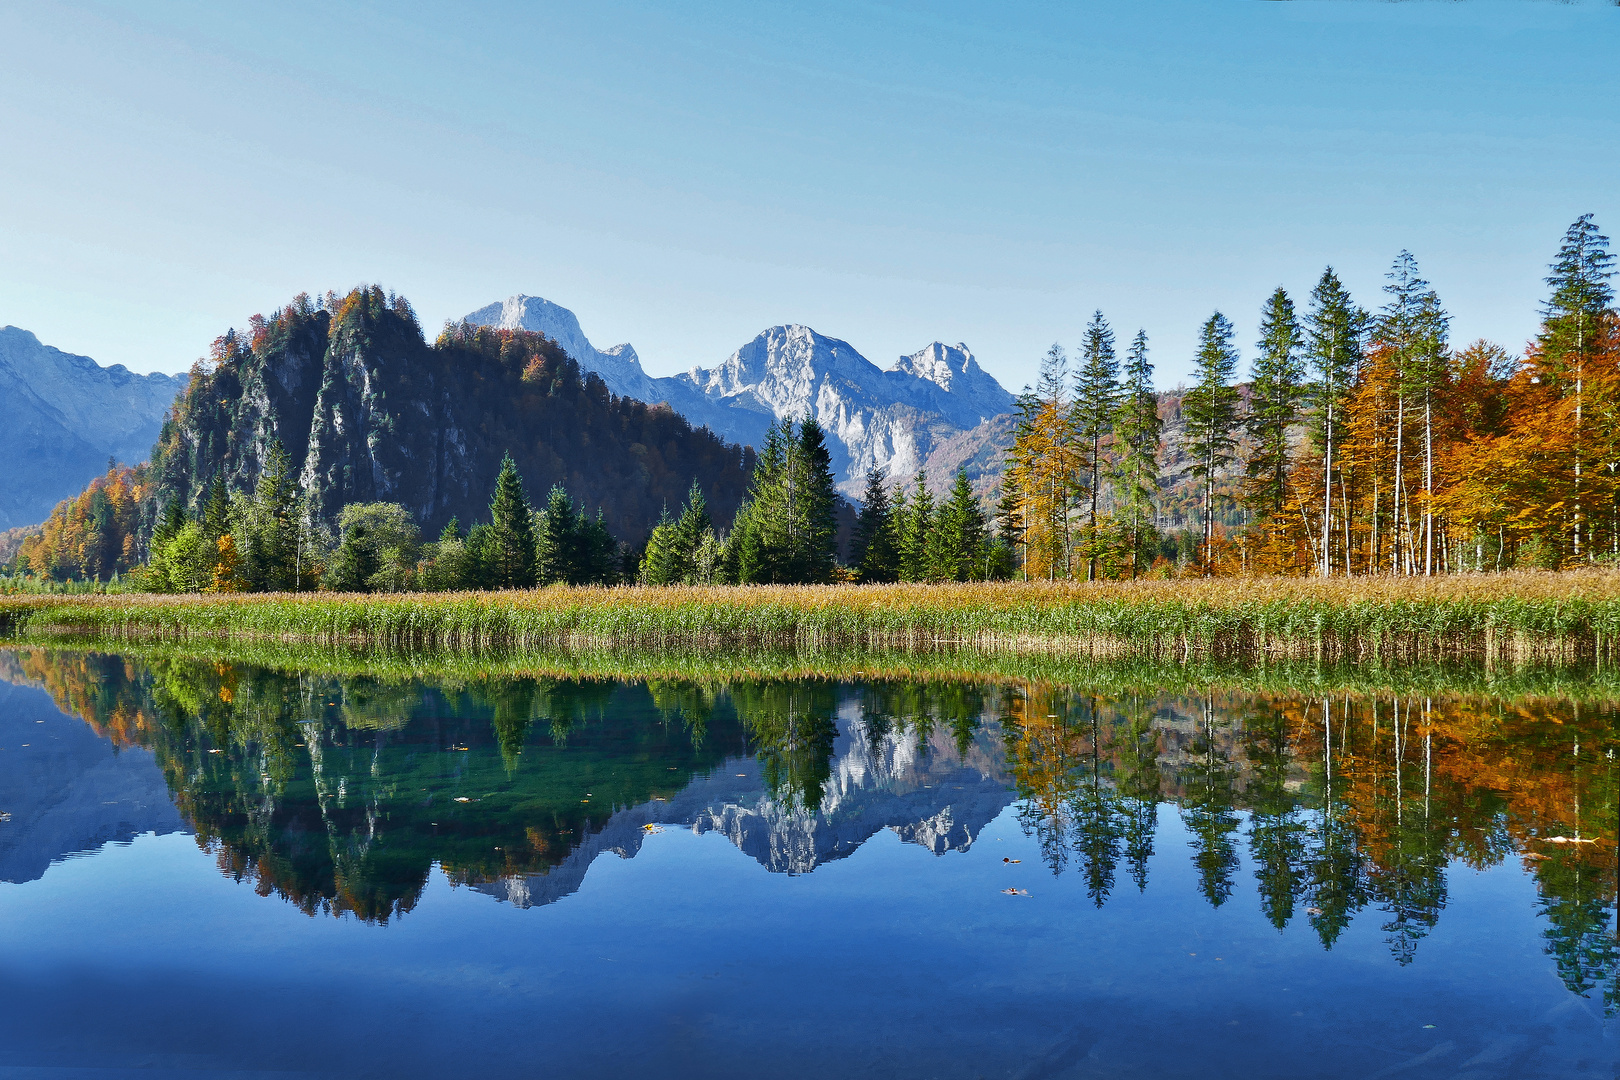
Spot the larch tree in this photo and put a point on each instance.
(1096, 396)
(1211, 411)
(1044, 467)
(1137, 433)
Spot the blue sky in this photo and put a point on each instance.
(684, 175)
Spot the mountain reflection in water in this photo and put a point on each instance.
(341, 794)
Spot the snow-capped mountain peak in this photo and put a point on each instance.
(874, 418)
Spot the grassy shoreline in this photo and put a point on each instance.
(1515, 617)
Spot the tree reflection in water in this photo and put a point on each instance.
(341, 793)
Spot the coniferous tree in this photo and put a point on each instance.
(1211, 411)
(1096, 397)
(817, 549)
(1045, 469)
(916, 523)
(661, 562)
(1335, 329)
(1413, 327)
(876, 554)
(1009, 531)
(786, 532)
(509, 549)
(1138, 431)
(1571, 318)
(1275, 392)
(960, 535)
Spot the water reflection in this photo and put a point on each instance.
(341, 793)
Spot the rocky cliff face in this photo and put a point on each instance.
(875, 418)
(62, 416)
(369, 411)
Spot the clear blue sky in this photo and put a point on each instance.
(684, 175)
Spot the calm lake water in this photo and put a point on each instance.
(215, 870)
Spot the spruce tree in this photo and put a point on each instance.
(510, 546)
(915, 525)
(1138, 431)
(960, 535)
(1096, 396)
(1413, 326)
(816, 553)
(1572, 315)
(876, 555)
(660, 562)
(1211, 412)
(1334, 331)
(1276, 389)
(557, 540)
(1581, 293)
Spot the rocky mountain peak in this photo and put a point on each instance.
(889, 420)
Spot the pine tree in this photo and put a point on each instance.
(1335, 327)
(876, 554)
(1138, 431)
(1096, 397)
(1211, 411)
(1275, 392)
(510, 554)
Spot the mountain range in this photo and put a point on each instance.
(62, 416)
(890, 419)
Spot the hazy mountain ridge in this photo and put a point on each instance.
(890, 419)
(62, 416)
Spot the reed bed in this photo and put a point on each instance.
(1565, 617)
(1109, 676)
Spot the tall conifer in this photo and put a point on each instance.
(1138, 430)
(1096, 396)
(1275, 393)
(511, 550)
(1211, 412)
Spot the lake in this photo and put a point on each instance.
(217, 869)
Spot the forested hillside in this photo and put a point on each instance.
(367, 410)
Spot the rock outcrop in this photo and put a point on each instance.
(368, 411)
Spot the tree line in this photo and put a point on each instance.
(1362, 443)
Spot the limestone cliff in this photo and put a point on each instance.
(369, 411)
